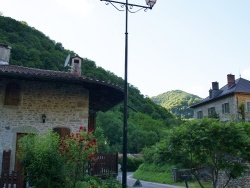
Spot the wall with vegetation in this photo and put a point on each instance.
(243, 99)
(233, 115)
(240, 182)
(32, 48)
(63, 105)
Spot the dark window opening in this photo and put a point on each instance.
(76, 61)
(199, 114)
(225, 108)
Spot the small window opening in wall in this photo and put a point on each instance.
(211, 111)
(12, 94)
(76, 61)
(225, 108)
(200, 114)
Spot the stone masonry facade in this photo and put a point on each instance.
(234, 101)
(64, 105)
(241, 182)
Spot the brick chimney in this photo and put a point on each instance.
(214, 91)
(4, 54)
(215, 86)
(230, 80)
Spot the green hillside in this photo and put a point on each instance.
(32, 48)
(177, 102)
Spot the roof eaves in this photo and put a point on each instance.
(207, 100)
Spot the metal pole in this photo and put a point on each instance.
(125, 113)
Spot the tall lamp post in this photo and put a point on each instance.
(127, 7)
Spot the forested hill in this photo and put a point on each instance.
(32, 48)
(177, 102)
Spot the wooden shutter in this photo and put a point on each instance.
(12, 94)
(62, 131)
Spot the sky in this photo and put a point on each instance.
(179, 44)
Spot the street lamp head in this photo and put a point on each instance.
(151, 3)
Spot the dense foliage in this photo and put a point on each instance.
(41, 158)
(178, 102)
(133, 163)
(205, 144)
(78, 151)
(51, 162)
(32, 48)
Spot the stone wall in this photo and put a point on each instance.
(234, 102)
(218, 108)
(64, 106)
(241, 182)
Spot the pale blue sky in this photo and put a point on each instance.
(180, 44)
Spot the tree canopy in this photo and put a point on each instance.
(206, 144)
(178, 102)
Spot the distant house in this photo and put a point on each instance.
(35, 100)
(231, 102)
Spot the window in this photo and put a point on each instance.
(211, 111)
(225, 108)
(12, 94)
(248, 106)
(199, 115)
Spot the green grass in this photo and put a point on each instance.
(161, 174)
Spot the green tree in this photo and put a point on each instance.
(211, 144)
(111, 123)
(41, 158)
(103, 143)
(178, 102)
(242, 111)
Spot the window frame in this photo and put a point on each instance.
(199, 114)
(247, 106)
(225, 108)
(211, 111)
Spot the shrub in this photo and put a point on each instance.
(78, 151)
(41, 158)
(95, 182)
(132, 163)
(51, 162)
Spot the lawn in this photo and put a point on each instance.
(162, 174)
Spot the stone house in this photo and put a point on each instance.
(35, 101)
(227, 101)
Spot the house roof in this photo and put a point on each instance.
(241, 86)
(102, 95)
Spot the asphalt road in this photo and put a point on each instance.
(131, 181)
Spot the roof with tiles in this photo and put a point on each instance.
(103, 95)
(241, 86)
